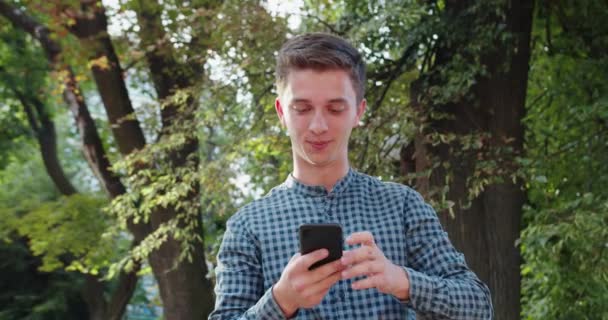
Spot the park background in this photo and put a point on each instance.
(131, 130)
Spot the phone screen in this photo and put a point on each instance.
(316, 236)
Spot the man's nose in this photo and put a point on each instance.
(318, 124)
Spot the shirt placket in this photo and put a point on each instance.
(330, 211)
(327, 206)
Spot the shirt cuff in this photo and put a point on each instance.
(421, 289)
(269, 309)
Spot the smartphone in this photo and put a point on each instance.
(314, 236)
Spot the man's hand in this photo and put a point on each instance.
(299, 287)
(368, 260)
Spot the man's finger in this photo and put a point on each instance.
(294, 257)
(310, 258)
(360, 254)
(324, 285)
(326, 270)
(362, 269)
(367, 283)
(363, 237)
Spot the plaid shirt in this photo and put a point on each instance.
(262, 237)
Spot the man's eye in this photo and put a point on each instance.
(336, 109)
(301, 108)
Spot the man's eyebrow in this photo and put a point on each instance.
(299, 100)
(303, 100)
(338, 100)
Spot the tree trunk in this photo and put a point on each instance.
(91, 29)
(44, 130)
(503, 202)
(184, 288)
(486, 231)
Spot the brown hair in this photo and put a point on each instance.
(321, 51)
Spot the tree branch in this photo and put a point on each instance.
(397, 71)
(31, 26)
(167, 73)
(31, 118)
(123, 293)
(326, 24)
(92, 146)
(91, 29)
(91, 142)
(44, 130)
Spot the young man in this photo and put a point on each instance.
(399, 260)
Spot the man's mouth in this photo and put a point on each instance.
(319, 145)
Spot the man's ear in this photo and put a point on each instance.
(360, 111)
(279, 108)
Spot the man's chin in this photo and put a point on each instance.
(317, 161)
(320, 162)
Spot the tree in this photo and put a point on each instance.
(472, 100)
(454, 73)
(563, 244)
(446, 93)
(155, 184)
(92, 146)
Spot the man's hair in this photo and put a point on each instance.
(321, 51)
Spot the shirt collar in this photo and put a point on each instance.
(299, 187)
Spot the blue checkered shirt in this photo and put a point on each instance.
(262, 237)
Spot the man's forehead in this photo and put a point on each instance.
(318, 80)
(314, 71)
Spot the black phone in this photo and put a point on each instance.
(314, 236)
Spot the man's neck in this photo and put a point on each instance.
(326, 176)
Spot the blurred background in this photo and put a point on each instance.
(131, 130)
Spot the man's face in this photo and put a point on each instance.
(319, 109)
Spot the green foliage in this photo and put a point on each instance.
(22, 71)
(30, 294)
(417, 53)
(156, 183)
(565, 270)
(71, 226)
(66, 232)
(454, 46)
(25, 180)
(13, 130)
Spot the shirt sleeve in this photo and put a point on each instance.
(239, 288)
(441, 284)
